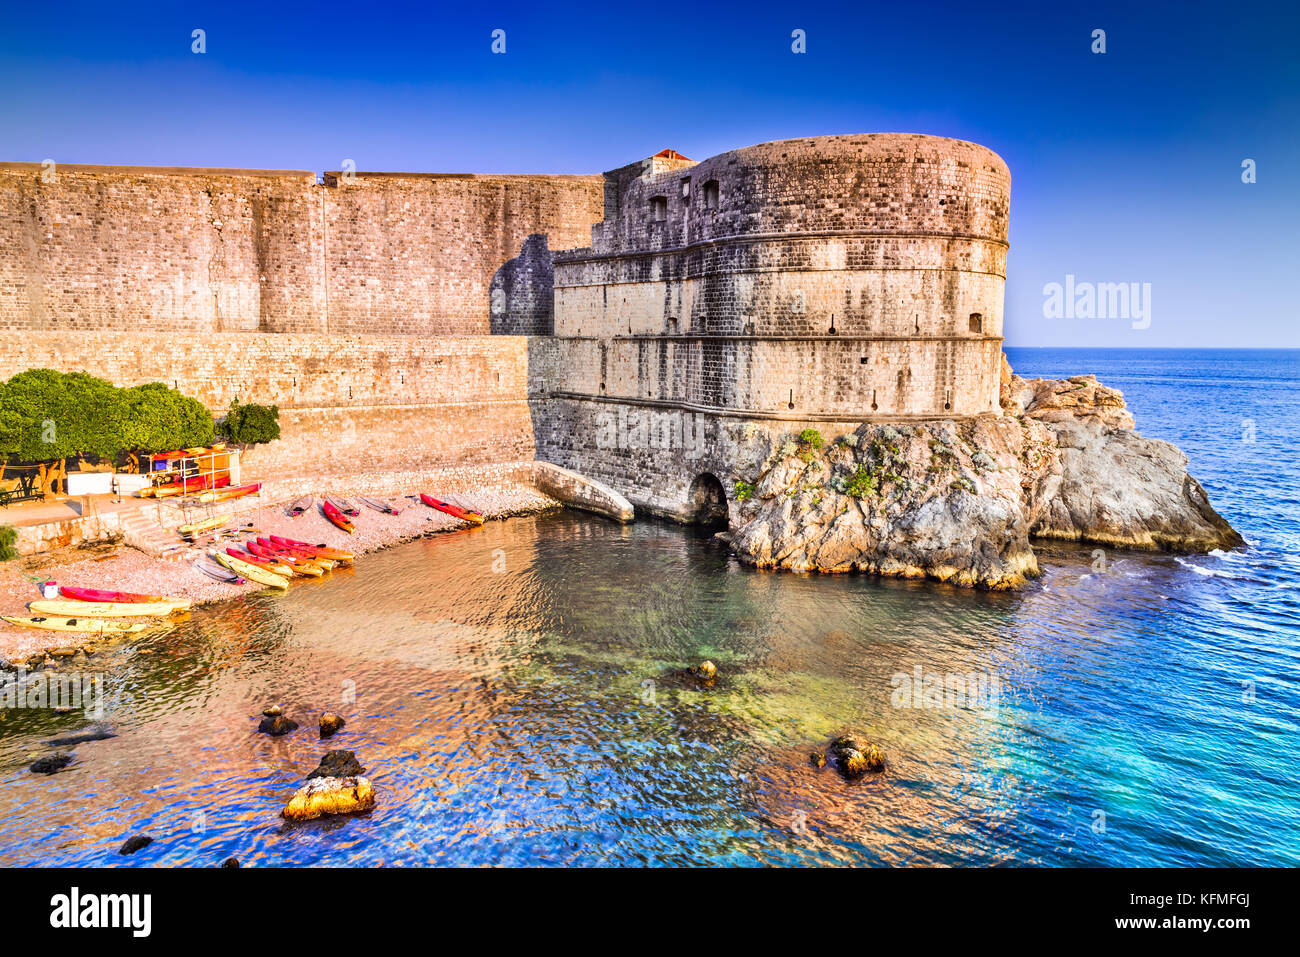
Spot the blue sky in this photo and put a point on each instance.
(1126, 166)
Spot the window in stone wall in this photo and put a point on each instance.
(658, 208)
(976, 322)
(711, 194)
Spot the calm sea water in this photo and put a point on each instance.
(514, 693)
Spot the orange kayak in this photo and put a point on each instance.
(463, 514)
(265, 563)
(323, 551)
(337, 517)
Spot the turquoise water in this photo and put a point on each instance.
(515, 694)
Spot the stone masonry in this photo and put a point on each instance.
(803, 283)
(424, 320)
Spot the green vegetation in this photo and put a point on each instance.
(861, 483)
(744, 491)
(8, 536)
(158, 419)
(251, 423)
(812, 438)
(47, 417)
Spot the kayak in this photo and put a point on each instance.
(454, 510)
(378, 506)
(97, 594)
(266, 563)
(343, 505)
(102, 609)
(252, 572)
(336, 516)
(324, 551)
(299, 566)
(207, 524)
(325, 564)
(220, 495)
(186, 485)
(92, 626)
(218, 573)
(299, 506)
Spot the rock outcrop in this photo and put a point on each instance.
(960, 501)
(322, 796)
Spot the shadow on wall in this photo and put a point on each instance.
(521, 295)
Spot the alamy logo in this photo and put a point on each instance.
(933, 690)
(36, 690)
(641, 429)
(1101, 300)
(73, 910)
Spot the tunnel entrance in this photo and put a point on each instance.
(708, 500)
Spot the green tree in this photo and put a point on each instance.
(156, 418)
(251, 423)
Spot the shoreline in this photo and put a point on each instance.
(115, 565)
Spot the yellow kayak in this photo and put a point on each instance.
(251, 572)
(94, 626)
(194, 528)
(103, 609)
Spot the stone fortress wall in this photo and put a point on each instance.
(196, 251)
(360, 305)
(813, 282)
(414, 320)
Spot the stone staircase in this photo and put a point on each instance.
(141, 530)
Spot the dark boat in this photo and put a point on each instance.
(299, 506)
(219, 573)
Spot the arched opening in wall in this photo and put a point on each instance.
(976, 322)
(707, 500)
(658, 208)
(711, 194)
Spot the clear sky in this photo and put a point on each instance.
(1126, 166)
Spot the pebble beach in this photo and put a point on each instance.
(119, 567)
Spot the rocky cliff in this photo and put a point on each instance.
(960, 501)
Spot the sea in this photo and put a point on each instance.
(519, 693)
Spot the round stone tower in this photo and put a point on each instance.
(838, 277)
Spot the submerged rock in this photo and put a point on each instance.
(51, 763)
(134, 843)
(706, 672)
(338, 764)
(959, 501)
(81, 737)
(330, 795)
(231, 862)
(276, 725)
(330, 723)
(817, 760)
(853, 756)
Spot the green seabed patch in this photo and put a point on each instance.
(774, 708)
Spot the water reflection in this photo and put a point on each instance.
(515, 695)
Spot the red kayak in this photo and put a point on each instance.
(98, 594)
(460, 513)
(337, 517)
(270, 564)
(324, 551)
